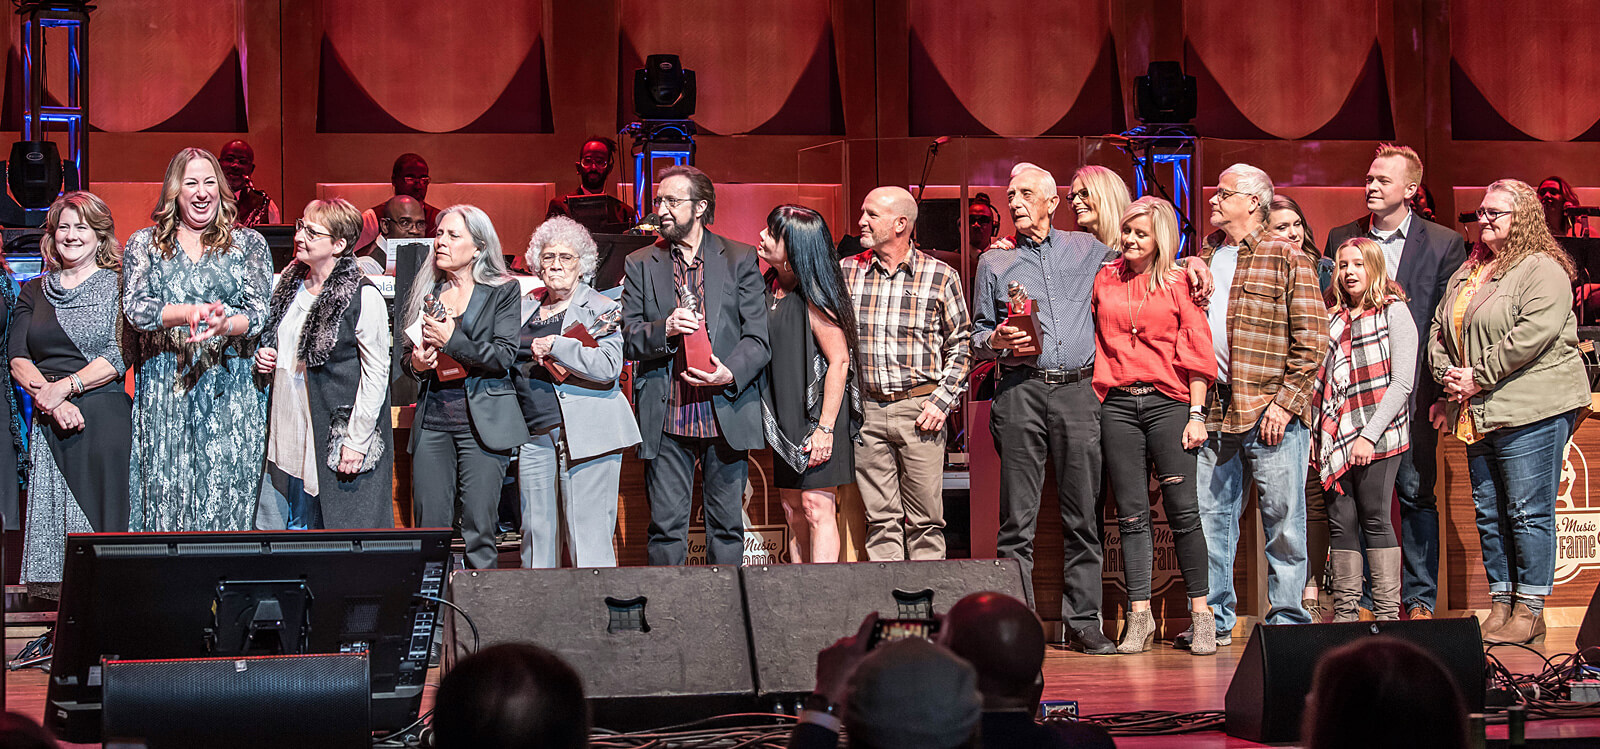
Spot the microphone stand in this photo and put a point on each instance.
(927, 164)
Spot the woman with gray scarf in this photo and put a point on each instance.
(66, 352)
(325, 350)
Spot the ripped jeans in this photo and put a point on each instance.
(1136, 430)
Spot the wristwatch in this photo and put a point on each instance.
(819, 703)
(824, 430)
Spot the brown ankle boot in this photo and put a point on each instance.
(1499, 614)
(1523, 628)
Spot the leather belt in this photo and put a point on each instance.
(1057, 376)
(916, 392)
(1135, 389)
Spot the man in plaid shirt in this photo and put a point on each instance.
(914, 337)
(1270, 329)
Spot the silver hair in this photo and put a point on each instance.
(564, 232)
(1047, 180)
(1023, 166)
(488, 268)
(1251, 180)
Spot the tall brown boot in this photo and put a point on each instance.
(1525, 627)
(1385, 565)
(1499, 614)
(1346, 584)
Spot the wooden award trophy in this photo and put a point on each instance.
(444, 367)
(696, 345)
(1019, 315)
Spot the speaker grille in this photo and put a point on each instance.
(324, 700)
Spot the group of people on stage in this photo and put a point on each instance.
(1322, 374)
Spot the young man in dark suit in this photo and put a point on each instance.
(687, 414)
(1421, 256)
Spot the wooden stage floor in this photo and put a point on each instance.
(1162, 679)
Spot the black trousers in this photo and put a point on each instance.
(1033, 422)
(1360, 509)
(669, 480)
(454, 477)
(1136, 430)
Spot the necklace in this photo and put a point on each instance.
(1133, 316)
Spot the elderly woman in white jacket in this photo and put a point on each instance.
(580, 422)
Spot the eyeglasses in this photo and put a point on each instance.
(1224, 193)
(1082, 195)
(564, 258)
(594, 161)
(406, 223)
(671, 202)
(301, 226)
(1489, 215)
(423, 180)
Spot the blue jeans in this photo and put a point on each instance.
(1279, 472)
(284, 504)
(1516, 473)
(1419, 515)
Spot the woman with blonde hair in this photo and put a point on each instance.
(326, 350)
(1153, 363)
(461, 325)
(1100, 199)
(1364, 425)
(1504, 345)
(195, 287)
(66, 352)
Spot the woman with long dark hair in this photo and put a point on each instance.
(810, 405)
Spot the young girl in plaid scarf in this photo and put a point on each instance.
(1363, 424)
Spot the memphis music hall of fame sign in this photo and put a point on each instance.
(1577, 518)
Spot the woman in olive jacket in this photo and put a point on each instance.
(1504, 346)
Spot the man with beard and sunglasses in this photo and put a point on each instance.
(688, 414)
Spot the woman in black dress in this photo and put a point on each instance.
(809, 405)
(66, 352)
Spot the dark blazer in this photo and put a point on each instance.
(1431, 256)
(485, 342)
(736, 320)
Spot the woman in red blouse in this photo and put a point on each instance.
(1153, 362)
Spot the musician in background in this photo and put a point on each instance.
(594, 164)
(410, 177)
(1557, 197)
(255, 205)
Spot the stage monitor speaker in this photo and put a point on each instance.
(268, 702)
(940, 224)
(655, 645)
(797, 610)
(1268, 692)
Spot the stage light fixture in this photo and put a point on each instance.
(34, 173)
(663, 89)
(1164, 95)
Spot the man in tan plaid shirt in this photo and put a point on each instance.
(1270, 329)
(913, 358)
